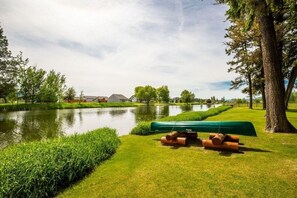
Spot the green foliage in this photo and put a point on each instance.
(53, 87)
(163, 94)
(143, 128)
(70, 94)
(8, 68)
(293, 97)
(187, 96)
(81, 96)
(23, 107)
(146, 94)
(247, 58)
(31, 80)
(29, 83)
(42, 169)
(196, 115)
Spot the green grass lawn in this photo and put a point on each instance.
(142, 167)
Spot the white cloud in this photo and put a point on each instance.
(111, 46)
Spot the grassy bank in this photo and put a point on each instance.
(143, 128)
(142, 167)
(41, 169)
(45, 106)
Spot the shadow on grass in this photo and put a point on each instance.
(198, 143)
(292, 110)
(248, 149)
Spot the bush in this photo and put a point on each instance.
(143, 128)
(42, 169)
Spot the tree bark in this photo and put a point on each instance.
(276, 119)
(290, 86)
(250, 91)
(263, 90)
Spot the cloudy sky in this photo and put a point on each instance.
(112, 46)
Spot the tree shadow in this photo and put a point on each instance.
(292, 110)
(249, 149)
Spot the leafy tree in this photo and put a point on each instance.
(81, 96)
(264, 11)
(290, 46)
(70, 94)
(8, 68)
(163, 94)
(137, 90)
(208, 101)
(245, 46)
(293, 97)
(31, 81)
(187, 96)
(53, 87)
(239, 101)
(146, 94)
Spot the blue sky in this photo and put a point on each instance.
(112, 46)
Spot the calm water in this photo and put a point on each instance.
(22, 126)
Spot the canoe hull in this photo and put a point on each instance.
(227, 127)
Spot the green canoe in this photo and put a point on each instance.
(227, 127)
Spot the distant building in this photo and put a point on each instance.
(91, 99)
(118, 98)
(95, 98)
(133, 98)
(102, 98)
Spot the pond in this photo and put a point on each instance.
(24, 126)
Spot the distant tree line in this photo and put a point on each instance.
(148, 94)
(20, 81)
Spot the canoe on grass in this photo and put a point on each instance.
(227, 127)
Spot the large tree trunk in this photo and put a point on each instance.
(250, 91)
(276, 119)
(290, 86)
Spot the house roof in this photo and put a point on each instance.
(132, 97)
(90, 97)
(119, 96)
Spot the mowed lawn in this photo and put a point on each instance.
(142, 167)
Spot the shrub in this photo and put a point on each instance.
(143, 128)
(42, 169)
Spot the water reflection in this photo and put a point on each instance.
(23, 126)
(30, 125)
(69, 118)
(186, 108)
(36, 125)
(145, 113)
(7, 132)
(117, 112)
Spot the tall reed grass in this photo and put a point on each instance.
(143, 128)
(42, 169)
